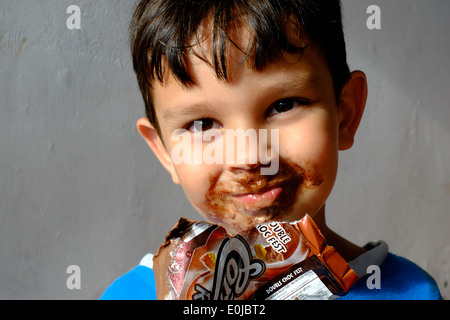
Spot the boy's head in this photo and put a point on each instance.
(280, 66)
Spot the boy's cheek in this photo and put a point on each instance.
(311, 139)
(195, 180)
(315, 152)
(319, 158)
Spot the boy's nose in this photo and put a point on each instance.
(249, 150)
(239, 168)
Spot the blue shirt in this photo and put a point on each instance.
(401, 279)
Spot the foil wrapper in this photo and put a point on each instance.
(277, 260)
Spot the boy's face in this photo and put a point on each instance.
(295, 97)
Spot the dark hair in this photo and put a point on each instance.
(162, 33)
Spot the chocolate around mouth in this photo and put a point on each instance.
(221, 196)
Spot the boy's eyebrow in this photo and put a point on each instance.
(297, 84)
(181, 111)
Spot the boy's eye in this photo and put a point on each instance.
(202, 125)
(284, 105)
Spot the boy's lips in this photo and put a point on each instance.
(264, 198)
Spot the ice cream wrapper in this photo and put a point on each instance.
(273, 261)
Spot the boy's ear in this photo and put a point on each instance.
(151, 136)
(351, 108)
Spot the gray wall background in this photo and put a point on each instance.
(78, 186)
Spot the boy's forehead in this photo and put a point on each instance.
(294, 73)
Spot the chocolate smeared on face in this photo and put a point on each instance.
(225, 208)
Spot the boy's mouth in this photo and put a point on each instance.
(261, 198)
(256, 197)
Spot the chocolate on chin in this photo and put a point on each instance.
(277, 260)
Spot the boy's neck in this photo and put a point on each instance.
(346, 249)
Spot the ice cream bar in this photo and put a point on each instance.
(277, 260)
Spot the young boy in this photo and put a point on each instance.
(280, 66)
